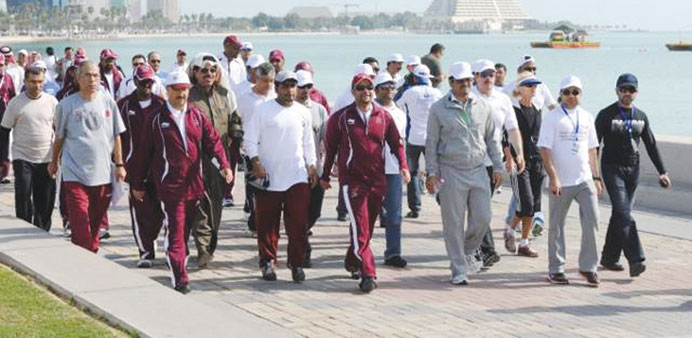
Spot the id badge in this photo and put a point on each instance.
(575, 146)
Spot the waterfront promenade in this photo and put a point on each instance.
(513, 298)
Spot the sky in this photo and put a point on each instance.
(668, 15)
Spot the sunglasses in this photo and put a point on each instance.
(630, 90)
(208, 70)
(388, 86)
(155, 61)
(530, 69)
(568, 92)
(487, 73)
(362, 88)
(307, 86)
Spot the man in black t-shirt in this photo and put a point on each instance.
(620, 128)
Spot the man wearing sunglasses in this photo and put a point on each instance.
(621, 127)
(210, 94)
(231, 61)
(358, 134)
(129, 87)
(569, 150)
(111, 75)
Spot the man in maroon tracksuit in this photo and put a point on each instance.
(358, 134)
(146, 215)
(111, 76)
(6, 94)
(169, 152)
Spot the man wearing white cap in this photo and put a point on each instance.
(569, 148)
(505, 120)
(170, 153)
(49, 85)
(461, 131)
(318, 115)
(180, 64)
(543, 100)
(416, 103)
(250, 65)
(409, 79)
(280, 142)
(394, 63)
(390, 218)
(246, 51)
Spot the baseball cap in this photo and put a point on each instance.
(232, 39)
(23, 51)
(255, 60)
(246, 46)
(422, 71)
(413, 60)
(383, 78)
(482, 65)
(78, 60)
(460, 70)
(360, 77)
(526, 79)
(303, 65)
(285, 75)
(144, 72)
(276, 55)
(364, 68)
(202, 59)
(524, 59)
(570, 81)
(108, 54)
(627, 79)
(304, 78)
(178, 80)
(39, 64)
(396, 57)
(6, 50)
(181, 52)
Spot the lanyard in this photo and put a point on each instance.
(626, 120)
(576, 126)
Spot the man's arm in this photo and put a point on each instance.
(395, 143)
(549, 165)
(57, 152)
(332, 138)
(432, 140)
(593, 163)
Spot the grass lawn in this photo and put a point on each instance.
(29, 310)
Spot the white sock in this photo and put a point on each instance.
(524, 242)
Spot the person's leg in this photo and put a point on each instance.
(268, 218)
(22, 190)
(99, 201)
(296, 201)
(174, 215)
(146, 218)
(614, 181)
(392, 222)
(315, 208)
(453, 204)
(413, 153)
(77, 202)
(374, 205)
(202, 229)
(43, 196)
(558, 206)
(479, 212)
(233, 158)
(524, 184)
(356, 200)
(216, 194)
(632, 246)
(588, 217)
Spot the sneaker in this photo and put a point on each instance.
(203, 260)
(183, 288)
(228, 202)
(473, 264)
(66, 231)
(612, 266)
(558, 278)
(308, 262)
(525, 250)
(490, 258)
(145, 263)
(396, 262)
(510, 243)
(637, 269)
(104, 234)
(341, 217)
(355, 275)
(298, 274)
(459, 280)
(246, 215)
(412, 214)
(591, 278)
(5, 180)
(367, 284)
(268, 273)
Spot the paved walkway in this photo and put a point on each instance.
(511, 299)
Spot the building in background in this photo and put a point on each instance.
(168, 8)
(478, 16)
(311, 12)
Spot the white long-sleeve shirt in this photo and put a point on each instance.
(235, 68)
(283, 140)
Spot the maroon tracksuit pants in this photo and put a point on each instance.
(178, 218)
(64, 209)
(294, 202)
(363, 203)
(147, 220)
(87, 208)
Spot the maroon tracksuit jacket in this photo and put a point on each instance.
(317, 96)
(6, 94)
(360, 150)
(117, 80)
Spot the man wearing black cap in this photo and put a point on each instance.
(620, 127)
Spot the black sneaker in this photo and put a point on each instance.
(183, 288)
(591, 278)
(490, 258)
(558, 278)
(104, 234)
(298, 275)
(228, 202)
(368, 284)
(308, 260)
(341, 218)
(412, 214)
(5, 180)
(355, 275)
(637, 269)
(613, 266)
(396, 262)
(268, 273)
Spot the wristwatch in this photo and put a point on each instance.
(596, 178)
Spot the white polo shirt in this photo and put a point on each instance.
(391, 163)
(502, 113)
(416, 102)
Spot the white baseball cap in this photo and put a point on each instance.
(570, 81)
(178, 80)
(413, 60)
(246, 46)
(460, 70)
(383, 77)
(396, 57)
(482, 65)
(304, 78)
(284, 76)
(255, 60)
(526, 58)
(363, 68)
(422, 71)
(23, 51)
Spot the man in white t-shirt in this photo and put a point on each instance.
(180, 64)
(394, 64)
(390, 219)
(232, 63)
(30, 115)
(279, 141)
(569, 149)
(543, 100)
(416, 102)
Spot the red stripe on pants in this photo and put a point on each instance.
(294, 202)
(178, 217)
(147, 220)
(364, 204)
(86, 207)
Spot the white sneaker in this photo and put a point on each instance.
(459, 280)
(145, 263)
(473, 265)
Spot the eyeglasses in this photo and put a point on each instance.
(487, 73)
(208, 70)
(155, 61)
(530, 69)
(386, 86)
(630, 90)
(568, 92)
(362, 88)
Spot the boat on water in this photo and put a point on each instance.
(567, 37)
(679, 47)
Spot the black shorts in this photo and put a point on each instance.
(527, 188)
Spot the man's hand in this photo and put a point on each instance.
(120, 173)
(520, 164)
(430, 183)
(555, 187)
(325, 185)
(138, 194)
(497, 179)
(52, 169)
(312, 176)
(664, 181)
(406, 176)
(599, 187)
(227, 174)
(509, 166)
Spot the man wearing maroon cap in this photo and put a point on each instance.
(146, 215)
(361, 130)
(111, 76)
(170, 153)
(315, 94)
(7, 92)
(180, 64)
(277, 59)
(232, 63)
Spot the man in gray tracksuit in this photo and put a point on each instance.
(460, 134)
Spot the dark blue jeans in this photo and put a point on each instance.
(621, 183)
(390, 217)
(413, 153)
